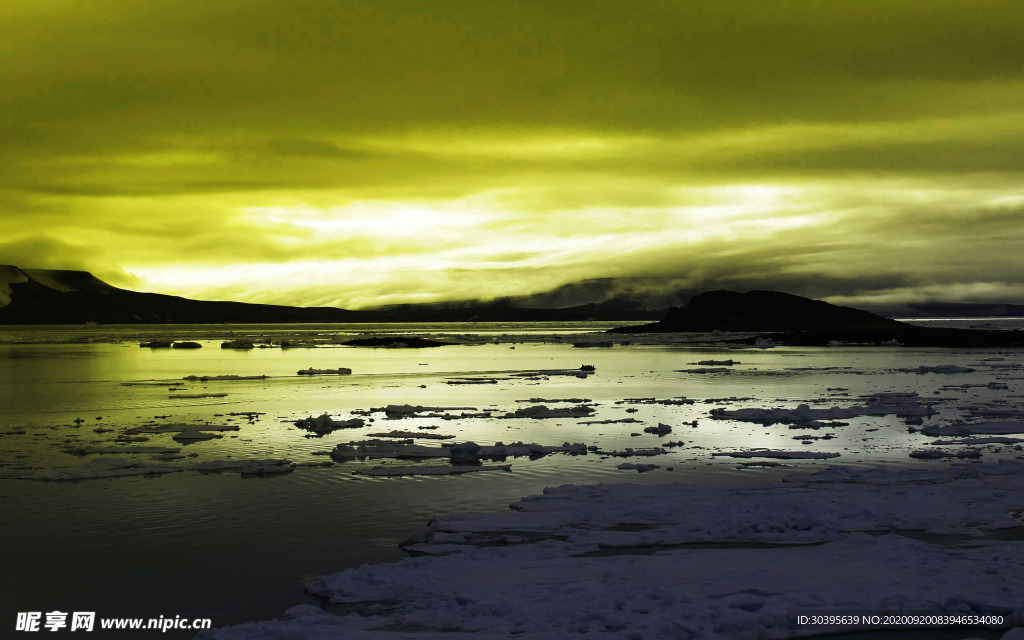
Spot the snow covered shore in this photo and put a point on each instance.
(693, 561)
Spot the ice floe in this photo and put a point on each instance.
(85, 451)
(194, 396)
(641, 468)
(771, 453)
(219, 378)
(395, 433)
(324, 424)
(620, 561)
(629, 452)
(386, 449)
(992, 440)
(936, 454)
(660, 430)
(705, 370)
(993, 428)
(942, 368)
(181, 427)
(438, 470)
(97, 468)
(245, 467)
(539, 412)
(324, 372)
(394, 411)
(804, 413)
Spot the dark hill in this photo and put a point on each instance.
(767, 311)
(796, 320)
(77, 297)
(42, 296)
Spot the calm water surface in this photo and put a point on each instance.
(232, 549)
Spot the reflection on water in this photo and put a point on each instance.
(234, 549)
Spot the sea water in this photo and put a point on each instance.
(234, 548)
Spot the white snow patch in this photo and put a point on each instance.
(533, 573)
(9, 275)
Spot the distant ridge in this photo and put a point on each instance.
(44, 296)
(796, 320)
(767, 311)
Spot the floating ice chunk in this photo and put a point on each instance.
(992, 440)
(192, 396)
(941, 368)
(935, 454)
(407, 410)
(157, 344)
(804, 413)
(541, 411)
(660, 430)
(85, 451)
(246, 467)
(187, 436)
(103, 468)
(641, 468)
(764, 343)
(223, 378)
(610, 421)
(994, 428)
(770, 453)
(516, 449)
(395, 433)
(891, 343)
(179, 427)
(439, 470)
(667, 401)
(237, 344)
(629, 452)
(993, 412)
(472, 381)
(319, 372)
(705, 370)
(324, 424)
(387, 449)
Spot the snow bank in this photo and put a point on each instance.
(598, 561)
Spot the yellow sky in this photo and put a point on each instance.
(374, 152)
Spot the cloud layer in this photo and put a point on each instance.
(363, 153)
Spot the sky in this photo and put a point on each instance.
(362, 153)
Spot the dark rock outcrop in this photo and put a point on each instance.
(767, 311)
(794, 320)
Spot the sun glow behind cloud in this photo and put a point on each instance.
(479, 247)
